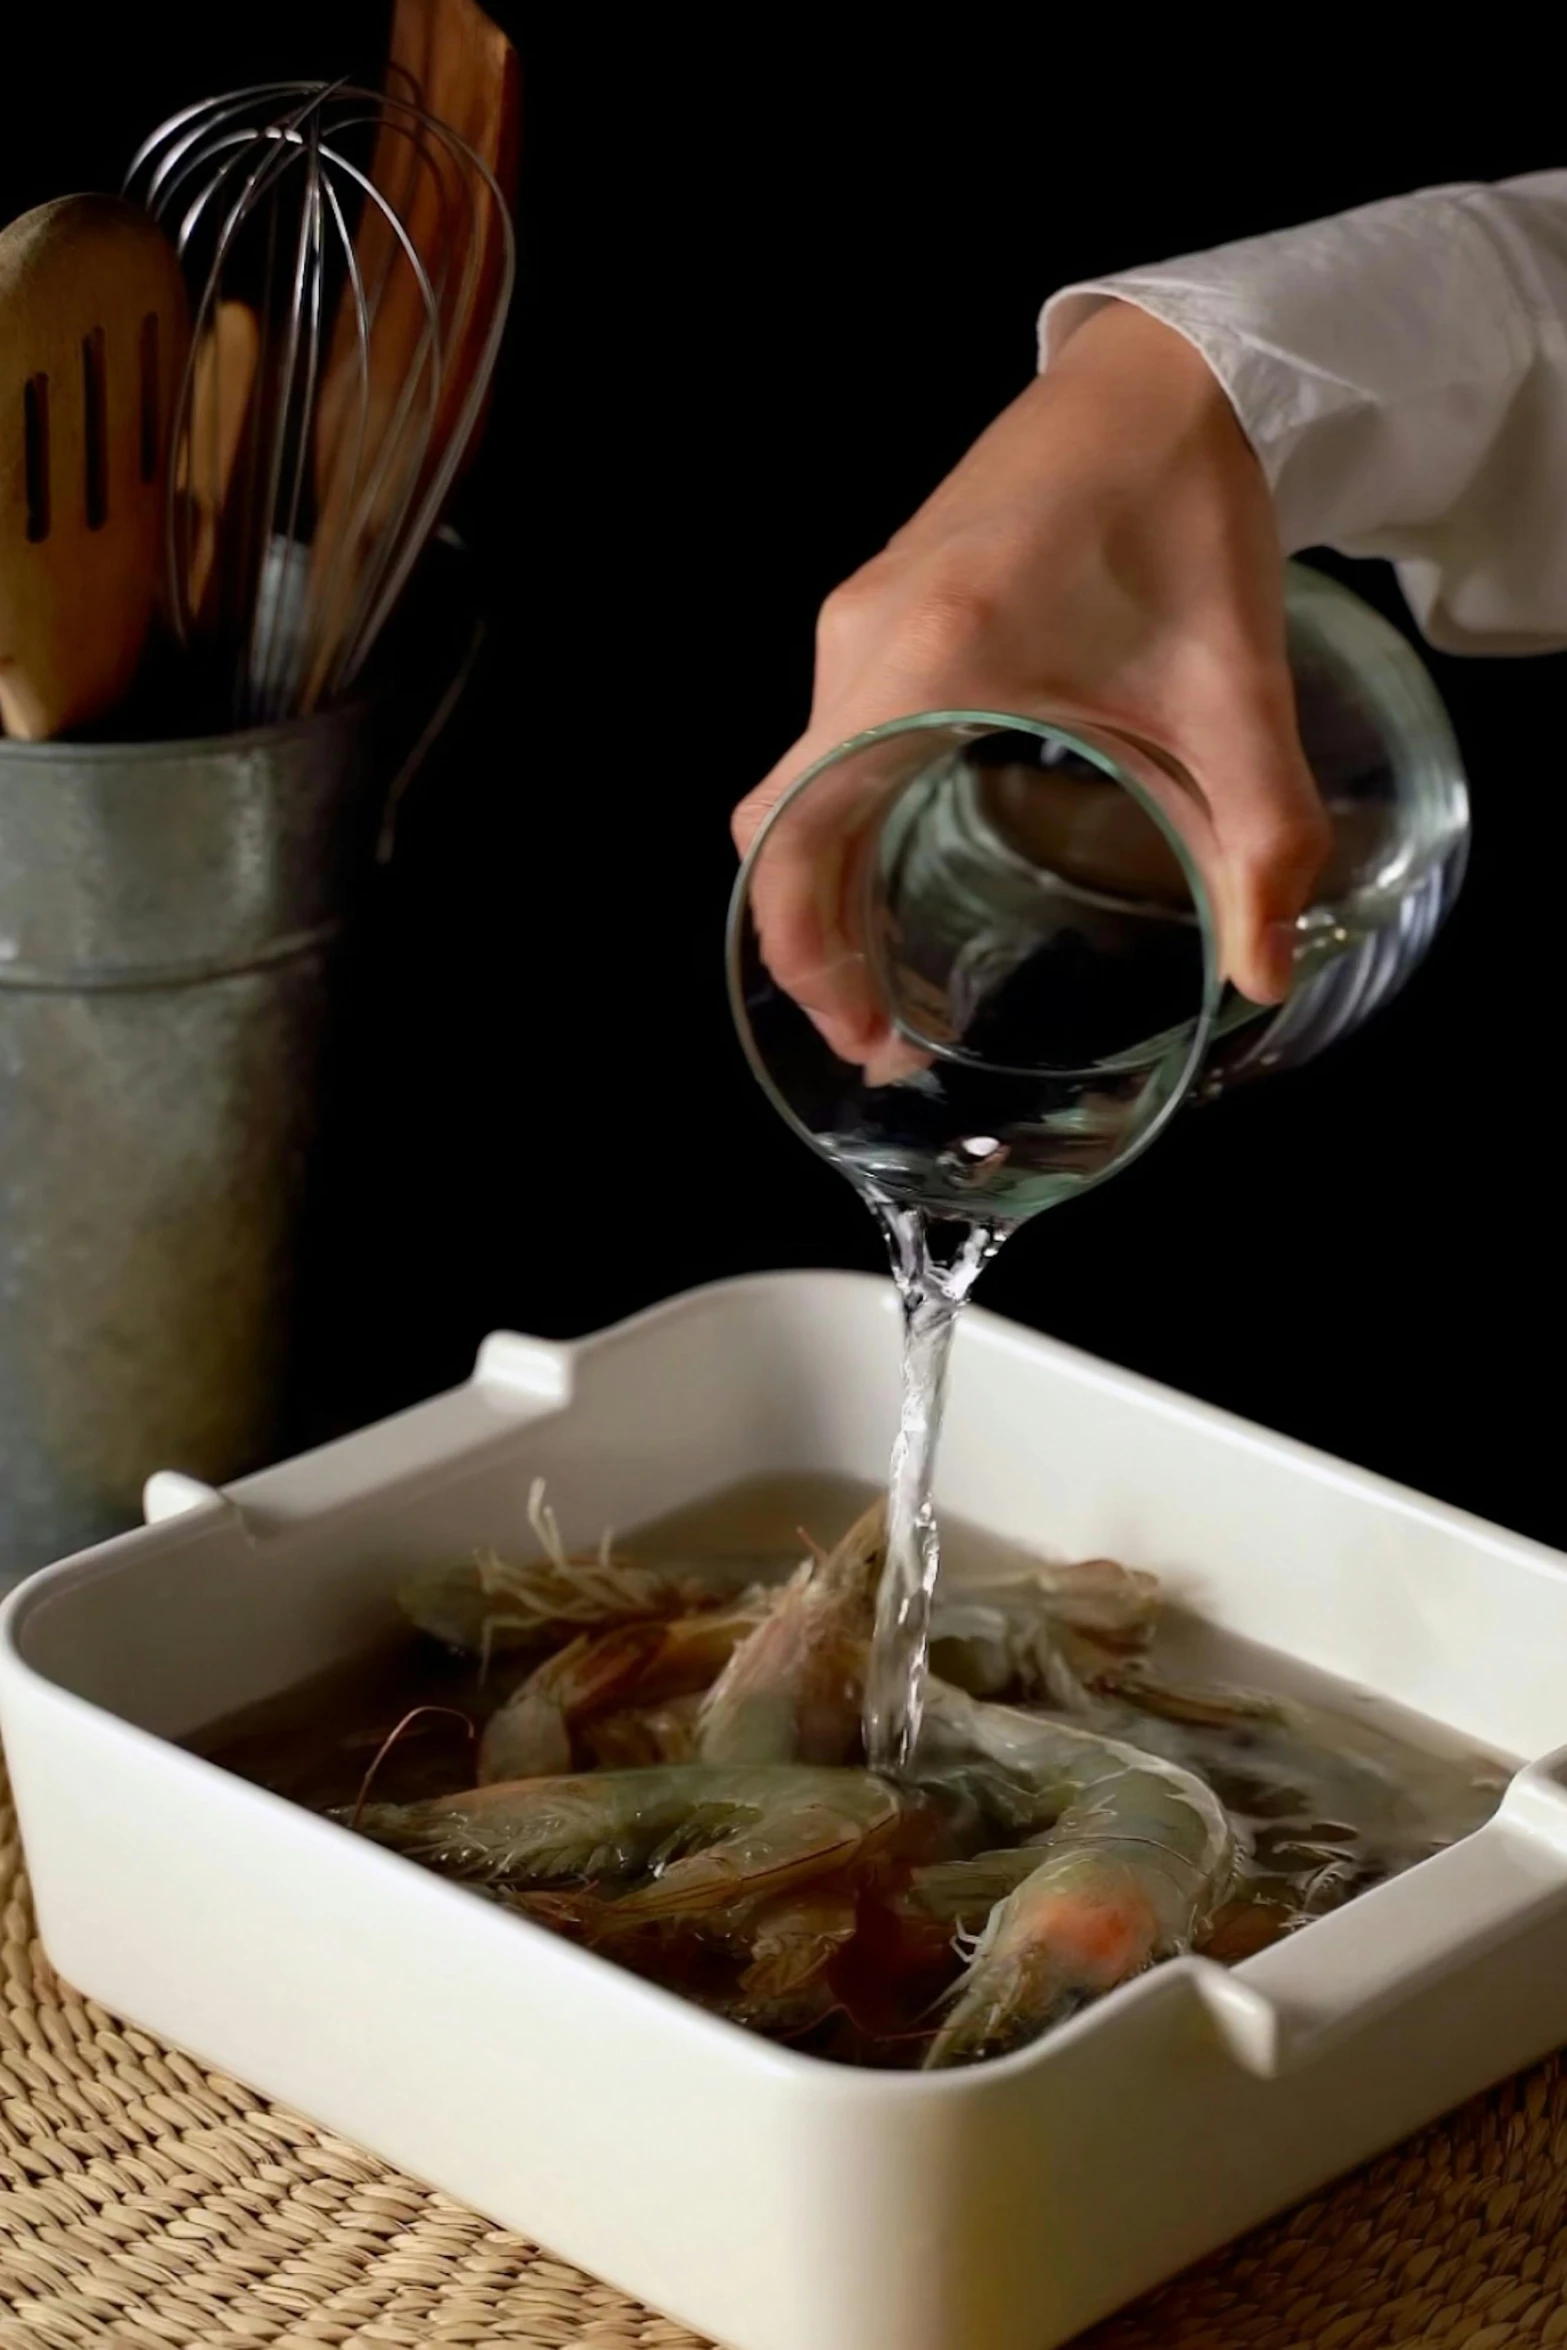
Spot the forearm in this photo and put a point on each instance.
(1401, 372)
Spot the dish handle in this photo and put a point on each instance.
(1405, 1936)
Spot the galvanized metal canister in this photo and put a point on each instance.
(170, 919)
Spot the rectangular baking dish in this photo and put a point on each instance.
(768, 2199)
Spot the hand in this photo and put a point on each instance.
(1106, 550)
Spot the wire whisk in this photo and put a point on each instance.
(351, 263)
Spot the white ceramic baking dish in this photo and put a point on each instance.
(769, 2199)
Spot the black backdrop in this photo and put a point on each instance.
(775, 273)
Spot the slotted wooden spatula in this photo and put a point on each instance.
(93, 327)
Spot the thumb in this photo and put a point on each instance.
(1273, 838)
(797, 892)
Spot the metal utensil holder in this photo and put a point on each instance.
(172, 921)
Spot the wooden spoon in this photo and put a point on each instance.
(223, 383)
(465, 71)
(448, 57)
(93, 330)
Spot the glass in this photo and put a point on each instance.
(1013, 913)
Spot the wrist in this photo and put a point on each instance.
(1137, 358)
(1147, 417)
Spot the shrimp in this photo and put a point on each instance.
(486, 1605)
(787, 1945)
(1042, 1637)
(794, 1938)
(533, 1732)
(688, 1838)
(793, 1692)
(782, 1945)
(1137, 1856)
(1067, 1637)
(1097, 1598)
(1001, 1649)
(1205, 1706)
(962, 1893)
(768, 1827)
(640, 1735)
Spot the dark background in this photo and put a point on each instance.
(773, 279)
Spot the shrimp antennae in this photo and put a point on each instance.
(546, 1527)
(390, 1740)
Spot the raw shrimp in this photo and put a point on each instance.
(599, 1673)
(641, 1735)
(1098, 1598)
(1062, 1637)
(793, 1938)
(767, 1827)
(1137, 1856)
(774, 1949)
(1041, 1637)
(1207, 1706)
(787, 1946)
(1007, 1649)
(793, 1692)
(700, 1837)
(487, 1605)
(962, 1893)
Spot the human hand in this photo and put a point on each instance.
(1107, 552)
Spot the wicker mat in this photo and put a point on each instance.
(149, 2203)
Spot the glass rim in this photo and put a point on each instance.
(1078, 737)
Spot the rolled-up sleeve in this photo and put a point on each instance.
(1401, 372)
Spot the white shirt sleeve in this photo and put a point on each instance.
(1401, 372)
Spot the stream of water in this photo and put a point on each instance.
(935, 1264)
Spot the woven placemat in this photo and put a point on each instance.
(147, 2202)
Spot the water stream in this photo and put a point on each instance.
(935, 1263)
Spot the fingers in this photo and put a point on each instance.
(1273, 839)
(753, 811)
(798, 905)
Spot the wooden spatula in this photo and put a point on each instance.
(222, 387)
(450, 58)
(93, 327)
(464, 70)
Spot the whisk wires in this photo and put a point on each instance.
(353, 264)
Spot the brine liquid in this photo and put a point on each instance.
(1342, 1796)
(932, 1286)
(1363, 1790)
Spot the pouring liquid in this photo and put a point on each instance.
(1027, 906)
(933, 1282)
